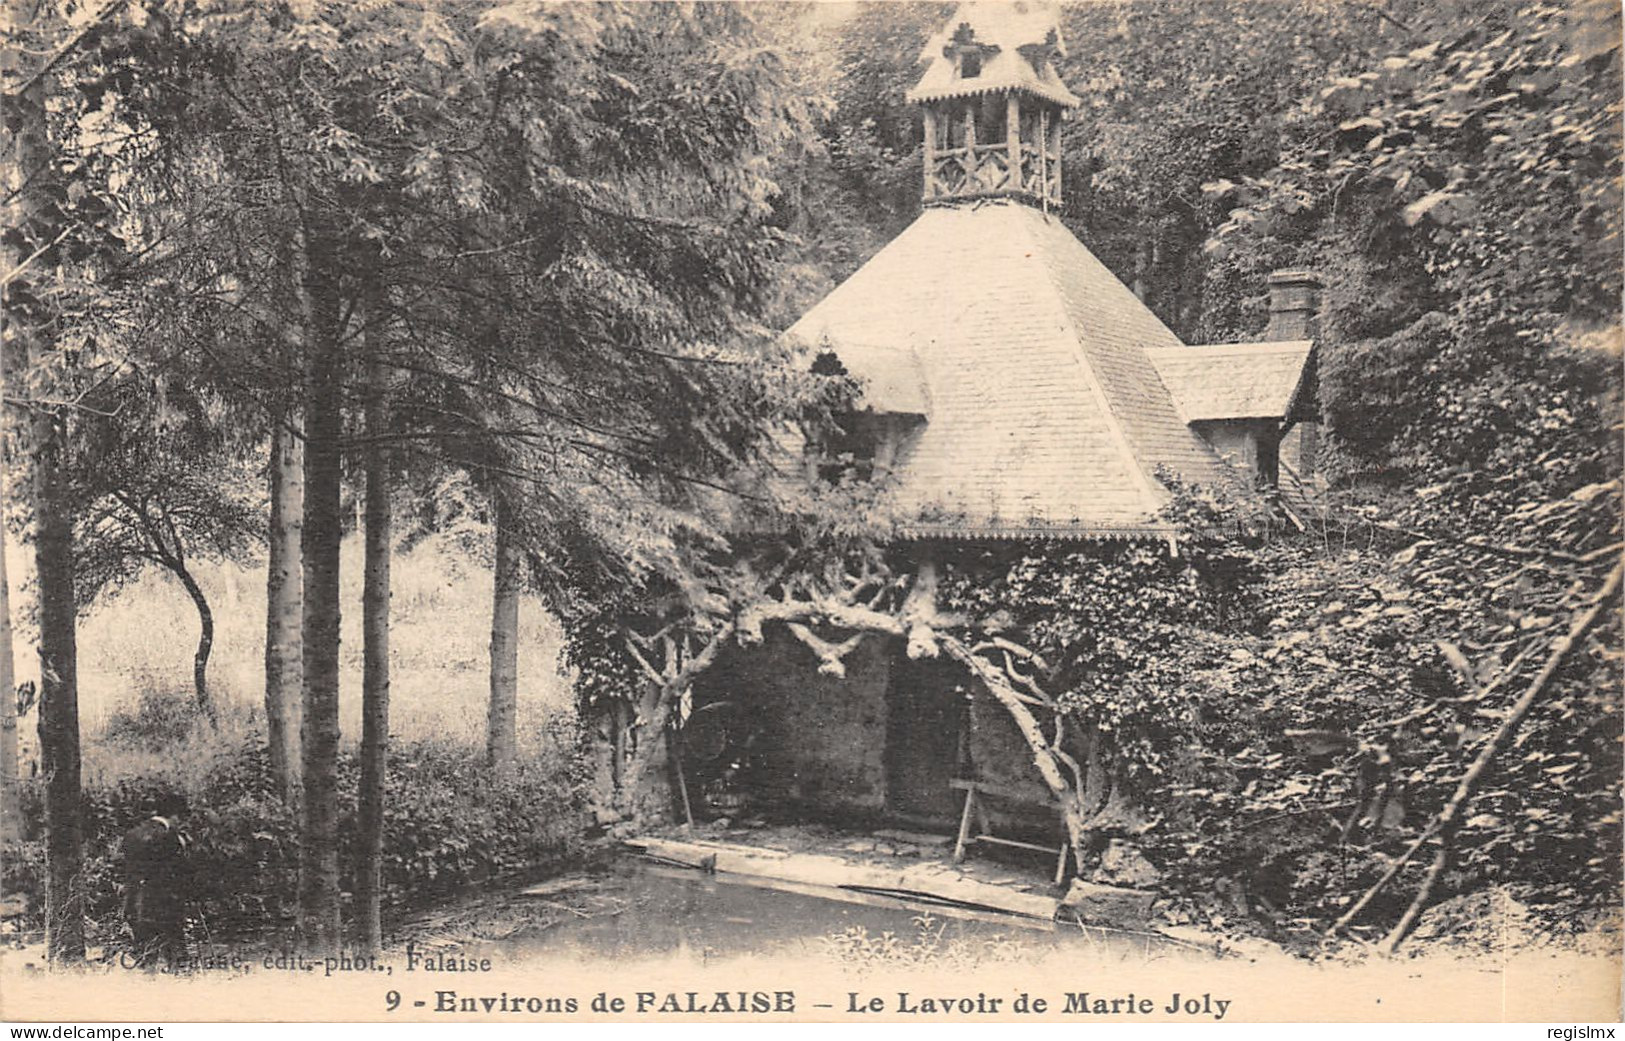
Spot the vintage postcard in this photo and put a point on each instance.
(1103, 512)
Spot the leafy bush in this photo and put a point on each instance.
(449, 822)
(160, 716)
(1337, 732)
(1288, 715)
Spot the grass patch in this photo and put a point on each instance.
(450, 822)
(139, 642)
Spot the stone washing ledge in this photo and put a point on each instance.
(928, 882)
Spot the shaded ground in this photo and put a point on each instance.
(641, 910)
(1023, 871)
(641, 907)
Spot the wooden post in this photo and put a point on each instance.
(1043, 156)
(1044, 756)
(965, 823)
(973, 168)
(930, 152)
(1012, 137)
(1055, 132)
(674, 748)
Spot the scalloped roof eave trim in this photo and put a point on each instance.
(1063, 97)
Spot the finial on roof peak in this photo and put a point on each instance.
(1006, 24)
(1006, 46)
(994, 103)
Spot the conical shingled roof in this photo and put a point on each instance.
(1044, 414)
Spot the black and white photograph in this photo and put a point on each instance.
(1103, 512)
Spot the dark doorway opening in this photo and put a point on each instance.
(925, 721)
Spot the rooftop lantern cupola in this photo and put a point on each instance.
(993, 105)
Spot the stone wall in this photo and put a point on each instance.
(769, 730)
(1000, 753)
(1300, 447)
(803, 739)
(1235, 440)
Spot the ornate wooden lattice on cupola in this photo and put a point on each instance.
(993, 105)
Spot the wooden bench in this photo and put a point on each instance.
(984, 827)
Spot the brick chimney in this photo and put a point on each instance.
(1294, 303)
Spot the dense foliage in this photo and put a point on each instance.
(450, 823)
(1115, 625)
(1462, 196)
(566, 211)
(1463, 189)
(1291, 713)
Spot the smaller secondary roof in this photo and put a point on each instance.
(892, 374)
(1005, 28)
(1235, 380)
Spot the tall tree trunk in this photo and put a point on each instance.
(375, 642)
(59, 696)
(318, 851)
(284, 584)
(36, 224)
(11, 818)
(501, 744)
(205, 640)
